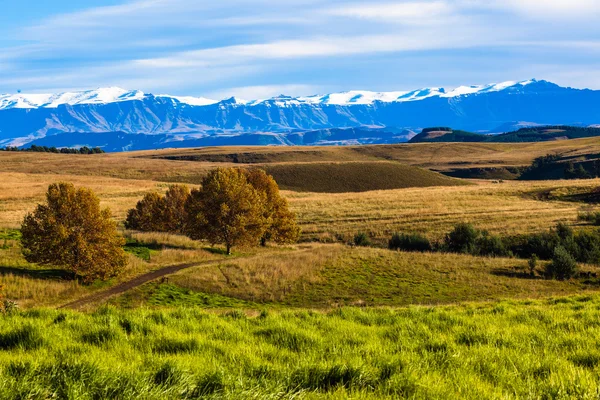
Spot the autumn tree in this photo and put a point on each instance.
(174, 216)
(156, 213)
(71, 230)
(227, 209)
(144, 216)
(282, 227)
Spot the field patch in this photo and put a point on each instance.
(504, 349)
(328, 276)
(354, 177)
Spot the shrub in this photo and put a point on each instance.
(587, 245)
(462, 239)
(490, 245)
(362, 239)
(592, 217)
(563, 265)
(532, 264)
(409, 242)
(540, 244)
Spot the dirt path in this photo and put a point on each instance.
(133, 283)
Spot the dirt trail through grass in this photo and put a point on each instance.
(123, 287)
(133, 283)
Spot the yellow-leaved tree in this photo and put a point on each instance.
(71, 230)
(227, 209)
(156, 213)
(282, 226)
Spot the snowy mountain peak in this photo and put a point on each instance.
(354, 97)
(97, 96)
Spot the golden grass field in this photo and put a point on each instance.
(505, 208)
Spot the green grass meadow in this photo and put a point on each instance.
(547, 349)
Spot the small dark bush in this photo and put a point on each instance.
(532, 264)
(587, 247)
(540, 244)
(409, 242)
(462, 239)
(362, 239)
(490, 246)
(563, 265)
(592, 217)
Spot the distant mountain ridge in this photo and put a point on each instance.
(116, 119)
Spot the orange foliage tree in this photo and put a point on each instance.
(71, 230)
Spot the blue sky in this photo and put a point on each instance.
(261, 48)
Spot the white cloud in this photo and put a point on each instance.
(406, 12)
(194, 46)
(541, 9)
(313, 47)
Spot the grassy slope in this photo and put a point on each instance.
(333, 275)
(544, 349)
(439, 156)
(506, 208)
(148, 165)
(354, 177)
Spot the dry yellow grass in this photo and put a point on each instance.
(265, 277)
(500, 208)
(115, 165)
(441, 156)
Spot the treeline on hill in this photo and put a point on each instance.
(64, 150)
(232, 207)
(533, 134)
(563, 247)
(552, 166)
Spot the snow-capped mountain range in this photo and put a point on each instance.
(354, 97)
(118, 119)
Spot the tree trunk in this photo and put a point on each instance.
(228, 249)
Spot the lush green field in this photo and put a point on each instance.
(542, 349)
